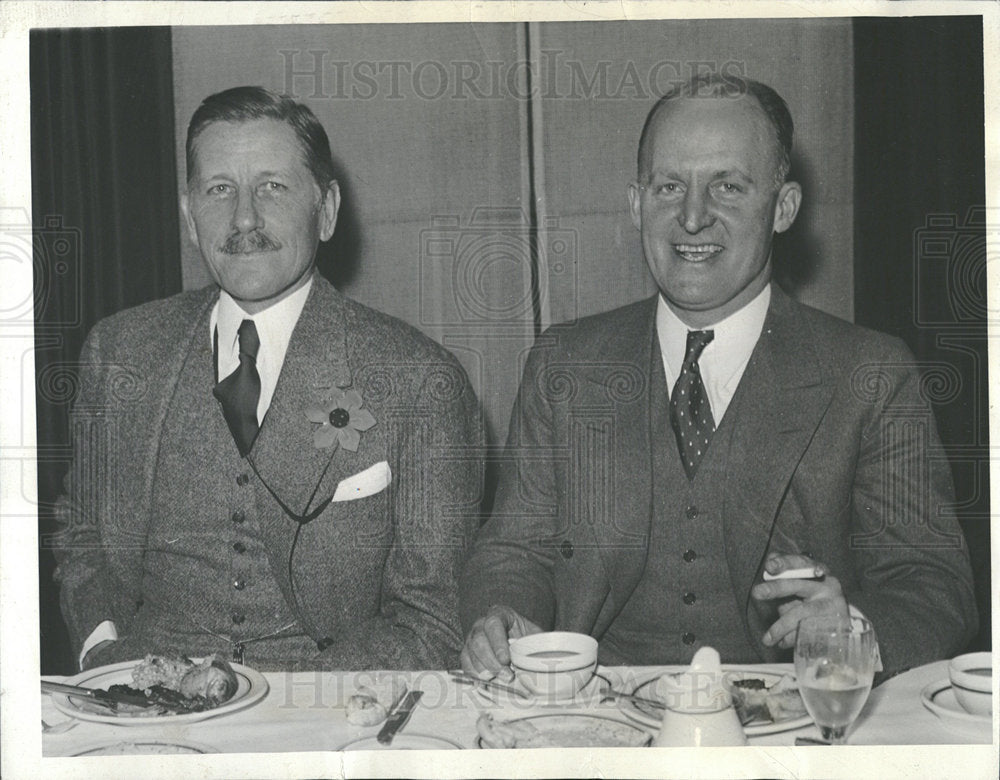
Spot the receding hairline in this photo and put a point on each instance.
(662, 115)
(776, 116)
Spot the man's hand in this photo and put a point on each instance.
(820, 596)
(486, 653)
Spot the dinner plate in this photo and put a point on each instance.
(589, 694)
(251, 687)
(652, 716)
(408, 741)
(143, 747)
(940, 699)
(573, 730)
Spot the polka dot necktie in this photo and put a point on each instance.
(240, 391)
(690, 412)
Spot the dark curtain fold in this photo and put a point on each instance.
(105, 219)
(920, 234)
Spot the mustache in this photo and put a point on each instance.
(244, 243)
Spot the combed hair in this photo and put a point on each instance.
(716, 85)
(244, 104)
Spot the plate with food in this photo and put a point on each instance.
(175, 689)
(549, 731)
(767, 702)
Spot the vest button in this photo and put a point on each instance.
(240, 547)
(688, 638)
(691, 512)
(566, 549)
(689, 598)
(239, 584)
(242, 479)
(690, 555)
(239, 617)
(238, 516)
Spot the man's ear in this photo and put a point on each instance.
(787, 207)
(635, 204)
(188, 218)
(328, 210)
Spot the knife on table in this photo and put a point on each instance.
(106, 698)
(399, 716)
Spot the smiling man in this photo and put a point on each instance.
(665, 456)
(259, 466)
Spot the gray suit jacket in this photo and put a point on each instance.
(381, 570)
(834, 452)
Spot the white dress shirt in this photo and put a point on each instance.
(274, 328)
(724, 360)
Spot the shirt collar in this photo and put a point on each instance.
(274, 324)
(735, 336)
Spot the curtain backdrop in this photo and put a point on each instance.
(920, 243)
(104, 207)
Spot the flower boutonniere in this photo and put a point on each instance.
(341, 421)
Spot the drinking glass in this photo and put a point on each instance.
(834, 664)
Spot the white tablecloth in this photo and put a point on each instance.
(306, 712)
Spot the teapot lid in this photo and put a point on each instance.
(700, 688)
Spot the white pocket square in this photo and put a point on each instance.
(364, 483)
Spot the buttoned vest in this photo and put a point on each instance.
(207, 581)
(684, 599)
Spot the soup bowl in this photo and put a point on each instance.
(554, 664)
(971, 678)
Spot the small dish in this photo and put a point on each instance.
(406, 741)
(590, 694)
(939, 698)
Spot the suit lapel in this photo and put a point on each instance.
(316, 365)
(182, 331)
(623, 539)
(780, 402)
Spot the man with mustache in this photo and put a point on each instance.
(275, 484)
(665, 456)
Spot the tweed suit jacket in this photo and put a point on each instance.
(834, 451)
(376, 575)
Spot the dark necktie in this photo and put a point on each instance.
(240, 391)
(690, 412)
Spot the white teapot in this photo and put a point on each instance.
(699, 710)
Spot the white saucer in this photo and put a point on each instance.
(940, 699)
(588, 695)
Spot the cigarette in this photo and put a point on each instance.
(807, 573)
